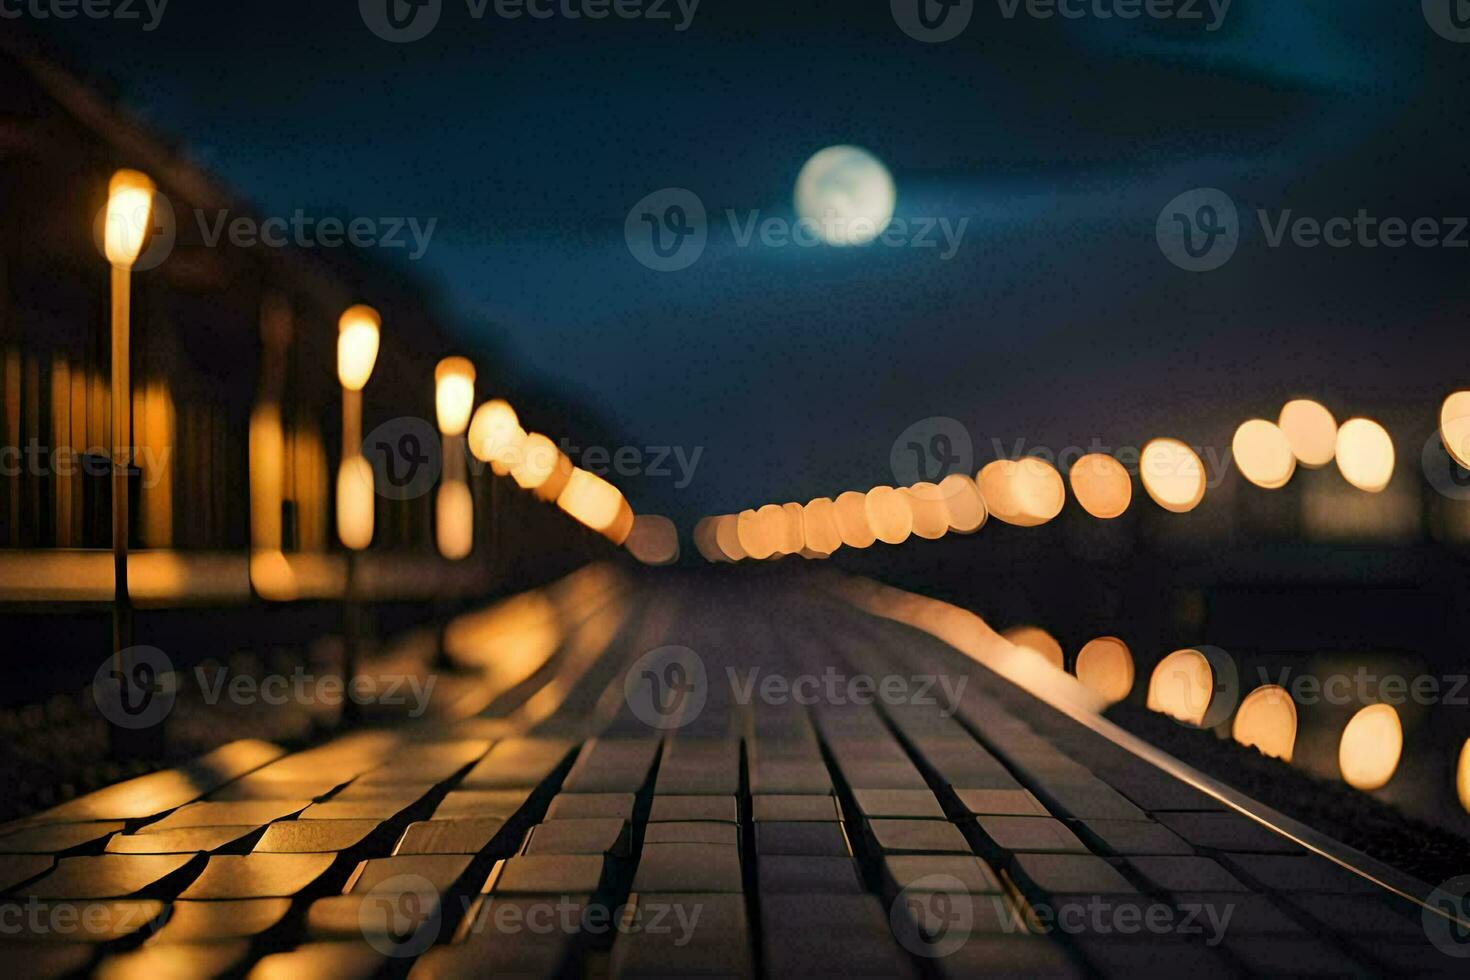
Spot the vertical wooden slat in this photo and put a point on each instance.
(64, 462)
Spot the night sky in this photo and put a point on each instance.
(792, 370)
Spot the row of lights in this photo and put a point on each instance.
(1369, 747)
(492, 433)
(495, 434)
(1030, 491)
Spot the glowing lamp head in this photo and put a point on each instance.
(592, 501)
(454, 394)
(129, 215)
(496, 437)
(357, 346)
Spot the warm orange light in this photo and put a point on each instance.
(727, 537)
(355, 503)
(792, 536)
(1311, 430)
(819, 526)
(1365, 454)
(1026, 492)
(1039, 642)
(1371, 746)
(267, 463)
(454, 520)
(1106, 666)
(1172, 474)
(1462, 776)
(704, 539)
(535, 462)
(496, 437)
(357, 346)
(129, 216)
(454, 394)
(1181, 686)
(592, 501)
(1263, 454)
(1267, 720)
(963, 503)
(654, 540)
(889, 515)
(1454, 427)
(851, 509)
(1102, 486)
(931, 516)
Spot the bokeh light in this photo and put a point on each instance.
(1365, 454)
(930, 515)
(1454, 427)
(1263, 454)
(1039, 642)
(1371, 746)
(1181, 686)
(727, 537)
(454, 520)
(1102, 486)
(1311, 430)
(1027, 492)
(889, 515)
(654, 540)
(1105, 665)
(851, 511)
(357, 346)
(454, 394)
(963, 503)
(819, 526)
(1173, 475)
(496, 437)
(1267, 720)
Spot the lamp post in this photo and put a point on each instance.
(129, 216)
(454, 398)
(454, 505)
(357, 353)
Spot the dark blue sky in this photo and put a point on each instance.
(1058, 320)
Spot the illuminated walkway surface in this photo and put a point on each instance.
(758, 774)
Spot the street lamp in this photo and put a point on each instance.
(454, 399)
(357, 353)
(129, 216)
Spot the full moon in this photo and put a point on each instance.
(846, 195)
